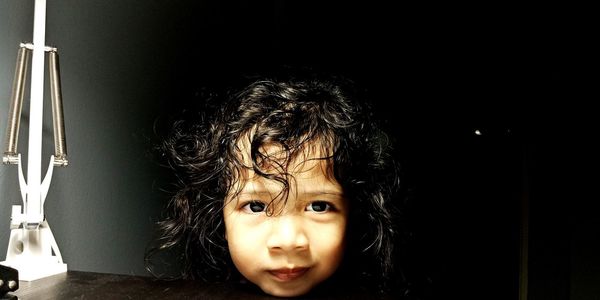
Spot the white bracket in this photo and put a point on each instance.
(32, 248)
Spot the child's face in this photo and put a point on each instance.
(302, 243)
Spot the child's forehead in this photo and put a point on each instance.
(311, 159)
(306, 170)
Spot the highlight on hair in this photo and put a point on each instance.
(205, 156)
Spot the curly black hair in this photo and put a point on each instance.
(204, 155)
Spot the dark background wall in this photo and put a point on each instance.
(517, 73)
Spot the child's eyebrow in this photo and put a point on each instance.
(255, 192)
(324, 192)
(314, 192)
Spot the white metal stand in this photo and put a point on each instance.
(32, 249)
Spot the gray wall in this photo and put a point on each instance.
(103, 206)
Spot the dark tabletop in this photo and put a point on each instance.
(84, 285)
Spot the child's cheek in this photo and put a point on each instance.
(246, 245)
(328, 242)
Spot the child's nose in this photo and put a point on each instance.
(287, 234)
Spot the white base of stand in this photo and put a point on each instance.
(34, 253)
(30, 269)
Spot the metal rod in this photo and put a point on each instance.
(33, 207)
(16, 105)
(60, 143)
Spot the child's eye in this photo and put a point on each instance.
(319, 207)
(254, 207)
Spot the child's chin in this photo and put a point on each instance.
(273, 290)
(286, 292)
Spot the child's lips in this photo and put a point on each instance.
(286, 274)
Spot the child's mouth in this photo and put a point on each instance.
(286, 274)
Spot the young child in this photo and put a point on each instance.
(287, 185)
